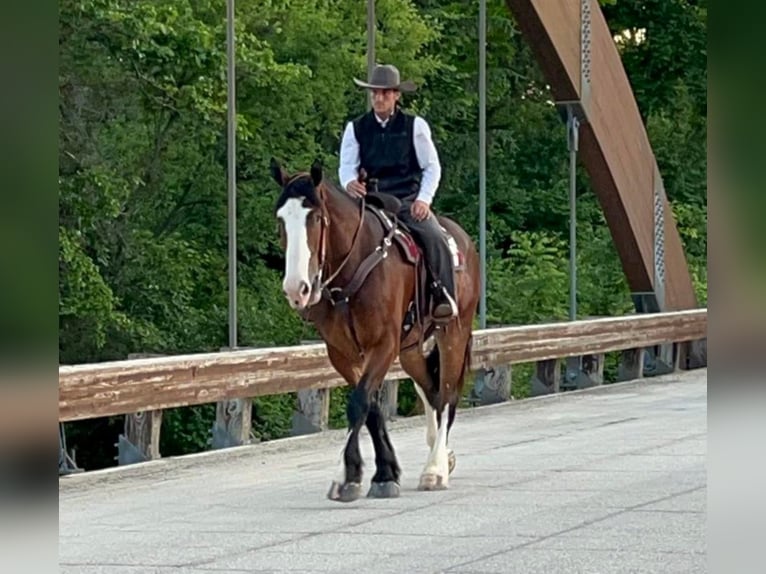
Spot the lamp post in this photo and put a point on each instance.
(232, 174)
(483, 161)
(573, 126)
(370, 43)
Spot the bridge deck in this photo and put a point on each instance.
(611, 480)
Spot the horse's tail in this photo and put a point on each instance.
(433, 368)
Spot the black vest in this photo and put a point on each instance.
(388, 154)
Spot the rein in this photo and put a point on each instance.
(339, 297)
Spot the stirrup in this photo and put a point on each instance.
(447, 306)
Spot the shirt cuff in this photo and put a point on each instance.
(425, 197)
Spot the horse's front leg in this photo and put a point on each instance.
(385, 483)
(348, 483)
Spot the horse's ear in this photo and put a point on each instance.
(316, 172)
(277, 172)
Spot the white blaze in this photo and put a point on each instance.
(298, 255)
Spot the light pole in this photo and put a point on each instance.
(232, 173)
(370, 43)
(483, 161)
(573, 126)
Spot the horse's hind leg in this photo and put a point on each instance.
(385, 483)
(454, 359)
(425, 374)
(432, 422)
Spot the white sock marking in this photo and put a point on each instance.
(430, 417)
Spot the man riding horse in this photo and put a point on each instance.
(356, 286)
(396, 155)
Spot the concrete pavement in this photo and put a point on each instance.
(606, 480)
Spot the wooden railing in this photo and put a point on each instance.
(143, 387)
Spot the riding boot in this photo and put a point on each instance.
(429, 235)
(439, 259)
(444, 305)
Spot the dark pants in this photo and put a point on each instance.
(431, 239)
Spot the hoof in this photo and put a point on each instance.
(432, 482)
(452, 461)
(346, 492)
(388, 489)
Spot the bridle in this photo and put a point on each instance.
(339, 297)
(317, 282)
(317, 285)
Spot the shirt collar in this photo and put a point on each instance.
(384, 123)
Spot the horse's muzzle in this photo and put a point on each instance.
(301, 295)
(297, 293)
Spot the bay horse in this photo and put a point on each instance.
(353, 273)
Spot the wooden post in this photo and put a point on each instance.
(493, 385)
(233, 420)
(593, 368)
(583, 372)
(389, 398)
(547, 378)
(141, 439)
(658, 360)
(676, 357)
(631, 365)
(693, 354)
(67, 464)
(312, 412)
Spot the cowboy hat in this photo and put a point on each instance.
(386, 77)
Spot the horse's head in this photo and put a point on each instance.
(302, 225)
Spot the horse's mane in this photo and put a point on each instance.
(301, 184)
(334, 188)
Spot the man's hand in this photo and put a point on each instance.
(420, 210)
(357, 187)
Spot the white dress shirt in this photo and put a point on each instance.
(428, 158)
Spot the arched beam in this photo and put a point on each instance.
(579, 59)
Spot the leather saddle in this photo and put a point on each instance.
(386, 207)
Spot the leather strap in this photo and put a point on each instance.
(370, 262)
(341, 296)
